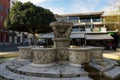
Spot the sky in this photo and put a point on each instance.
(74, 6)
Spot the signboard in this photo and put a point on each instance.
(111, 33)
(96, 29)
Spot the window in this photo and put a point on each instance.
(82, 28)
(7, 38)
(7, 11)
(1, 7)
(97, 19)
(1, 18)
(85, 20)
(75, 30)
(74, 19)
(88, 26)
(1, 38)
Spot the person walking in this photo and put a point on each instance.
(110, 46)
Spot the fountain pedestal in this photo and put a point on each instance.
(62, 32)
(61, 42)
(62, 54)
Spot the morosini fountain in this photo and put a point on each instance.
(59, 62)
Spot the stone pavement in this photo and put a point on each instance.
(8, 74)
(112, 54)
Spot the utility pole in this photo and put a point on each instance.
(85, 34)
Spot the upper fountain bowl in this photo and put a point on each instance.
(61, 29)
(62, 24)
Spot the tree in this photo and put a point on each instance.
(27, 17)
(113, 19)
(113, 22)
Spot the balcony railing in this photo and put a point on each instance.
(102, 29)
(85, 20)
(97, 20)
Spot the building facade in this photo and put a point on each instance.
(7, 36)
(89, 29)
(4, 11)
(89, 22)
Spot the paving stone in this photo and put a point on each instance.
(10, 75)
(109, 61)
(113, 73)
(6, 74)
(104, 66)
(58, 70)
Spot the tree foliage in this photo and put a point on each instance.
(113, 22)
(27, 17)
(113, 19)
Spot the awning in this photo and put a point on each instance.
(80, 35)
(77, 35)
(72, 36)
(98, 37)
(47, 36)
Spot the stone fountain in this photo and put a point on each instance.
(59, 62)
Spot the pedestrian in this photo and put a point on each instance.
(110, 46)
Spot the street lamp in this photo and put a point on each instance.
(85, 35)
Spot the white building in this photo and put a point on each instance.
(12, 2)
(87, 28)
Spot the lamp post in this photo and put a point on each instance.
(85, 34)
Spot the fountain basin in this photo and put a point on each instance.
(78, 56)
(25, 53)
(96, 54)
(43, 57)
(61, 29)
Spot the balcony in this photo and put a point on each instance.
(90, 30)
(97, 20)
(73, 21)
(85, 21)
(96, 30)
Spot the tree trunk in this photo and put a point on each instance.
(35, 39)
